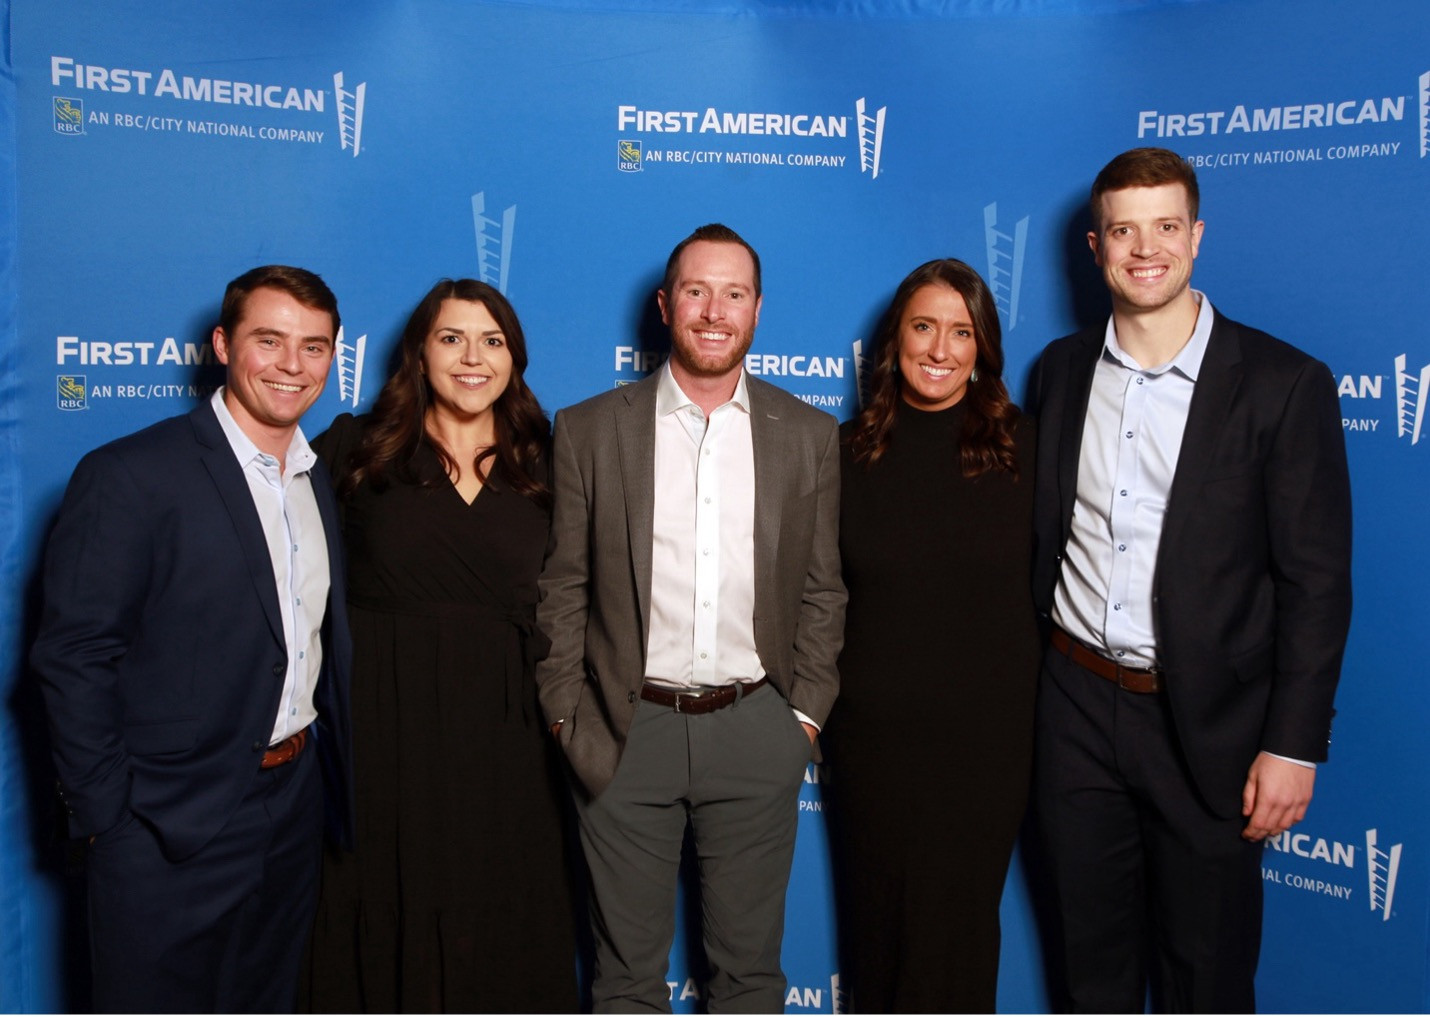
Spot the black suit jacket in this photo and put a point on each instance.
(161, 650)
(1252, 588)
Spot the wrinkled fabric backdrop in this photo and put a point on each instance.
(150, 151)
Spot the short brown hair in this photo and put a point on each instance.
(715, 233)
(300, 284)
(1145, 167)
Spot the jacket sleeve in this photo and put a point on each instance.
(1308, 501)
(565, 583)
(95, 577)
(819, 632)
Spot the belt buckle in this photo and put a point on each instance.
(1151, 673)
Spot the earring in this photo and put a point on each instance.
(973, 375)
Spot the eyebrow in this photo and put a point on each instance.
(461, 331)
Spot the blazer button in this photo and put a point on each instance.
(630, 697)
(259, 746)
(278, 669)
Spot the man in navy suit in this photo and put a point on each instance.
(1192, 563)
(194, 657)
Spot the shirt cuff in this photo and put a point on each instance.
(803, 719)
(1298, 762)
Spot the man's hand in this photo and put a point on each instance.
(1275, 797)
(810, 730)
(555, 729)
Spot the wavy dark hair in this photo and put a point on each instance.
(987, 438)
(397, 428)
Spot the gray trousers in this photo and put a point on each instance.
(735, 776)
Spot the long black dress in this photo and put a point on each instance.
(457, 898)
(930, 742)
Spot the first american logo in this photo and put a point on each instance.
(632, 153)
(349, 100)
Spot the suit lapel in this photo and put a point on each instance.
(1082, 364)
(635, 443)
(227, 477)
(767, 437)
(1216, 387)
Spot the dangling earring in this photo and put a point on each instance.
(973, 375)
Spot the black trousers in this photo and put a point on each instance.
(1151, 887)
(223, 931)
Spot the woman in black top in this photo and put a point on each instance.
(930, 742)
(457, 898)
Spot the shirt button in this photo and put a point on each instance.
(299, 601)
(1123, 492)
(1122, 547)
(301, 654)
(705, 551)
(705, 603)
(1129, 434)
(293, 712)
(1117, 607)
(1121, 653)
(702, 654)
(1139, 381)
(707, 501)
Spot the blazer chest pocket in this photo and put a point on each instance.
(161, 737)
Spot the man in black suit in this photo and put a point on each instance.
(194, 658)
(1193, 565)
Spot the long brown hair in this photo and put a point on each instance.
(397, 428)
(987, 438)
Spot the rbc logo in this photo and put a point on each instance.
(628, 156)
(71, 391)
(69, 115)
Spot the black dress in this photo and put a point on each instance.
(458, 897)
(930, 742)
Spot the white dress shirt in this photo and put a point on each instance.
(298, 550)
(702, 591)
(1130, 442)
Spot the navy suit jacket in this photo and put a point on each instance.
(1252, 592)
(161, 650)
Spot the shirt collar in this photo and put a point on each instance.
(300, 456)
(669, 396)
(1187, 362)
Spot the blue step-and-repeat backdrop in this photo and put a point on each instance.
(153, 150)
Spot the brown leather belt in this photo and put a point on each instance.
(699, 702)
(285, 751)
(1133, 679)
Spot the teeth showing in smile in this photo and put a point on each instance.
(471, 380)
(280, 387)
(712, 337)
(936, 373)
(1147, 273)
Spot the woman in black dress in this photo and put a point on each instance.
(457, 898)
(930, 742)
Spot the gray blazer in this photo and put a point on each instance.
(595, 588)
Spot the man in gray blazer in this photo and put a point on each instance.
(694, 605)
